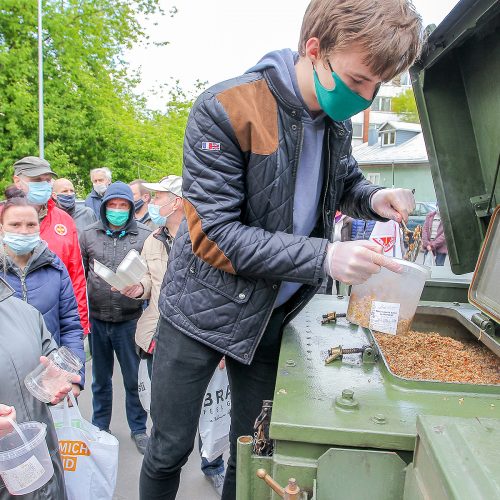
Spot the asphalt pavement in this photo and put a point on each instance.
(193, 486)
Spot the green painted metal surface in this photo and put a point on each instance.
(458, 99)
(304, 403)
(455, 458)
(344, 473)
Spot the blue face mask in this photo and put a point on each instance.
(39, 192)
(154, 213)
(339, 103)
(66, 201)
(117, 217)
(21, 244)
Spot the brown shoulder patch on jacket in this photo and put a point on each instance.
(253, 114)
(203, 247)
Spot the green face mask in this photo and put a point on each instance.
(117, 217)
(341, 102)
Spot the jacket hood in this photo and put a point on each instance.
(279, 68)
(42, 256)
(118, 189)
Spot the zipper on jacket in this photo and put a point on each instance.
(23, 285)
(295, 167)
(327, 184)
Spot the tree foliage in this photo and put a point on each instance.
(93, 117)
(405, 106)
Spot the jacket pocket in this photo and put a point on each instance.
(213, 300)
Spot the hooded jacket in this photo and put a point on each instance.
(109, 247)
(94, 202)
(242, 150)
(45, 284)
(58, 229)
(23, 339)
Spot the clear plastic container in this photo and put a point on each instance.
(132, 268)
(25, 463)
(45, 381)
(387, 301)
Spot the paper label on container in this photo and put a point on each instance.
(24, 475)
(384, 317)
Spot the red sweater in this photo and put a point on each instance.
(59, 231)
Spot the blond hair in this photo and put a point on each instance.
(390, 31)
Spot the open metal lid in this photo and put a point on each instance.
(484, 291)
(458, 99)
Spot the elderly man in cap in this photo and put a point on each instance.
(34, 177)
(167, 211)
(63, 193)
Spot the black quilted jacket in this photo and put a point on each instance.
(241, 152)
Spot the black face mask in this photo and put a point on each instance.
(66, 201)
(138, 204)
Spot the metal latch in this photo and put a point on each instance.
(338, 352)
(263, 445)
(291, 492)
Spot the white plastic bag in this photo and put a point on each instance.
(215, 418)
(429, 259)
(89, 456)
(144, 385)
(388, 235)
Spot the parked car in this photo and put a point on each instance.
(417, 217)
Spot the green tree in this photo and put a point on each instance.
(93, 116)
(405, 106)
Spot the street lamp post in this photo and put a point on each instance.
(40, 82)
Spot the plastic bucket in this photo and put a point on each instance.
(387, 301)
(25, 463)
(45, 381)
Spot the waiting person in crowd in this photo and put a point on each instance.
(142, 199)
(38, 276)
(167, 212)
(63, 193)
(341, 232)
(101, 179)
(113, 317)
(362, 229)
(433, 239)
(34, 176)
(24, 338)
(260, 191)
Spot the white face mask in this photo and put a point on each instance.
(100, 189)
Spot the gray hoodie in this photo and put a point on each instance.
(309, 181)
(23, 339)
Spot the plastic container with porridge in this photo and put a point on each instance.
(387, 301)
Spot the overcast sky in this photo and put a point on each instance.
(217, 40)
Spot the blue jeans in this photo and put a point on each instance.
(107, 338)
(208, 468)
(439, 257)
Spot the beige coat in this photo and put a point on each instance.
(156, 257)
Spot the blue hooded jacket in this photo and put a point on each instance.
(45, 284)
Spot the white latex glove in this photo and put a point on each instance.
(395, 204)
(353, 262)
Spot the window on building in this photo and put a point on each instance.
(357, 130)
(389, 138)
(381, 104)
(373, 178)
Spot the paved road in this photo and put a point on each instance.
(194, 486)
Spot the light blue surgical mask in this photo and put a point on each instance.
(154, 213)
(39, 192)
(340, 103)
(21, 244)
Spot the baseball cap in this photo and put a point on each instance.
(32, 166)
(170, 183)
